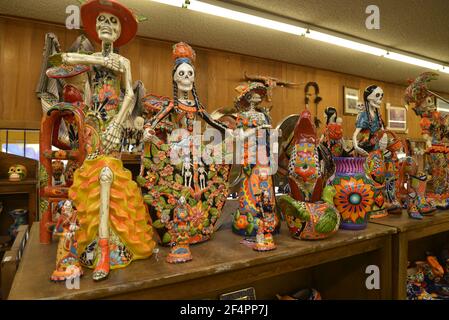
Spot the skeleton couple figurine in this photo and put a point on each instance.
(113, 220)
(185, 193)
(370, 140)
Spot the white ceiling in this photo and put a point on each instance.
(417, 26)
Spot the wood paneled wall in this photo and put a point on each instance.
(218, 73)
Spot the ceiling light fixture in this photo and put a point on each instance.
(207, 8)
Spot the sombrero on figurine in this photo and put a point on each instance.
(242, 101)
(92, 8)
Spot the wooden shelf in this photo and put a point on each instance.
(6, 182)
(219, 266)
(410, 230)
(130, 158)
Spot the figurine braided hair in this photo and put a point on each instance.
(366, 93)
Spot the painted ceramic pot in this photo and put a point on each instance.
(354, 196)
(376, 170)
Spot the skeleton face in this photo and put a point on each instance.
(108, 27)
(255, 99)
(429, 104)
(184, 77)
(138, 123)
(67, 208)
(17, 173)
(375, 98)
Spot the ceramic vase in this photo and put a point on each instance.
(354, 196)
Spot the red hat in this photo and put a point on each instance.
(91, 9)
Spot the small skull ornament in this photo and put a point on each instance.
(429, 104)
(17, 172)
(108, 27)
(375, 98)
(184, 77)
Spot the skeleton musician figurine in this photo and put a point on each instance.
(185, 194)
(113, 220)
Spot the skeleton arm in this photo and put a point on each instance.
(148, 130)
(80, 58)
(205, 115)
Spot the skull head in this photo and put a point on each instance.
(67, 208)
(428, 104)
(184, 77)
(17, 172)
(138, 123)
(58, 169)
(255, 99)
(108, 27)
(375, 97)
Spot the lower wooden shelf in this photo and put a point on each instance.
(223, 265)
(412, 239)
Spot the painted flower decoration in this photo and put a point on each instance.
(197, 215)
(60, 154)
(168, 170)
(354, 199)
(306, 166)
(162, 155)
(151, 178)
(172, 200)
(107, 93)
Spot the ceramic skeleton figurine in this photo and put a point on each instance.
(256, 215)
(369, 123)
(204, 198)
(370, 140)
(109, 28)
(202, 172)
(187, 174)
(111, 24)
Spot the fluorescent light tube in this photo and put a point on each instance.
(207, 8)
(324, 37)
(236, 15)
(414, 61)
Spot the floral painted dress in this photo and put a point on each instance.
(165, 179)
(368, 137)
(257, 177)
(130, 232)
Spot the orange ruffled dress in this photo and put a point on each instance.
(130, 229)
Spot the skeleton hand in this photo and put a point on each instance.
(114, 62)
(360, 151)
(148, 134)
(383, 142)
(112, 137)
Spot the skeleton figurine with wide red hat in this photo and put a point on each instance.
(114, 222)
